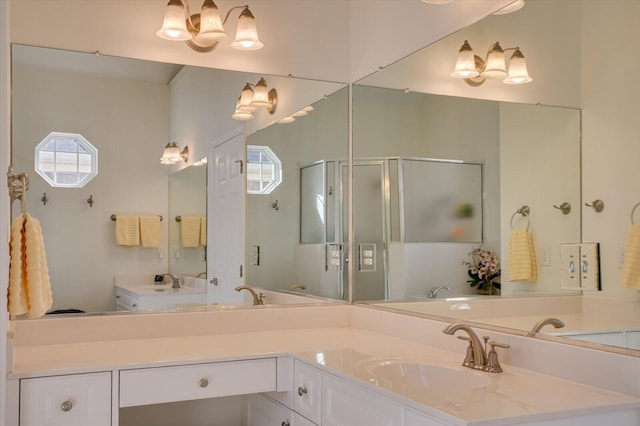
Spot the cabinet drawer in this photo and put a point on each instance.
(79, 399)
(182, 383)
(307, 391)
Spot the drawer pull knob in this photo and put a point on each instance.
(204, 382)
(302, 390)
(285, 423)
(66, 406)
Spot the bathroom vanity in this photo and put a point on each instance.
(291, 372)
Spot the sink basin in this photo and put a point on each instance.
(410, 373)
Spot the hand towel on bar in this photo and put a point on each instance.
(150, 231)
(203, 231)
(631, 265)
(190, 230)
(521, 257)
(127, 230)
(29, 282)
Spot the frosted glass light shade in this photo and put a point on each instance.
(287, 120)
(245, 100)
(241, 115)
(465, 64)
(300, 113)
(171, 154)
(210, 23)
(516, 5)
(261, 95)
(247, 33)
(518, 73)
(495, 68)
(174, 26)
(437, 1)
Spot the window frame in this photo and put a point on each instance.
(80, 141)
(277, 170)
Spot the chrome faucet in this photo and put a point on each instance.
(555, 322)
(175, 282)
(479, 360)
(297, 287)
(433, 293)
(257, 300)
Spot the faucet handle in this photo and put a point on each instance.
(493, 365)
(469, 360)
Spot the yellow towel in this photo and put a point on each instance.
(190, 229)
(127, 230)
(631, 266)
(203, 231)
(29, 282)
(150, 231)
(522, 258)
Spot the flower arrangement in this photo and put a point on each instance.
(483, 269)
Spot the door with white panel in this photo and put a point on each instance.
(226, 207)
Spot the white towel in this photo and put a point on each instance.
(203, 231)
(29, 282)
(631, 266)
(190, 230)
(150, 231)
(521, 256)
(127, 230)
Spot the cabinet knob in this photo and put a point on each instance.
(285, 423)
(302, 390)
(66, 406)
(204, 382)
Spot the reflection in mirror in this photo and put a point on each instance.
(538, 164)
(188, 203)
(289, 230)
(129, 110)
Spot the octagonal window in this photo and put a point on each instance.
(264, 170)
(66, 160)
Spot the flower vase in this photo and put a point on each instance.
(486, 289)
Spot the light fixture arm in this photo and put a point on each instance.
(226, 18)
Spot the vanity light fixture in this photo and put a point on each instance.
(437, 1)
(254, 97)
(201, 162)
(172, 154)
(474, 70)
(202, 31)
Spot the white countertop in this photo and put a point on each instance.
(159, 289)
(515, 393)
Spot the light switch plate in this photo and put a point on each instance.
(570, 266)
(367, 257)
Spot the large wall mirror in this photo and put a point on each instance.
(529, 140)
(129, 110)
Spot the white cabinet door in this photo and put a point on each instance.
(345, 404)
(73, 400)
(307, 391)
(414, 418)
(183, 383)
(258, 410)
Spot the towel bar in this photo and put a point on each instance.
(113, 217)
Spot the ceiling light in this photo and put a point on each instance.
(172, 154)
(203, 31)
(474, 70)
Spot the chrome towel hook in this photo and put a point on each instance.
(565, 208)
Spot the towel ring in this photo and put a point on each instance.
(633, 210)
(524, 211)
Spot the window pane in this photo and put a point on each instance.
(66, 160)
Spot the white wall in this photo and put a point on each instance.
(610, 128)
(540, 168)
(127, 121)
